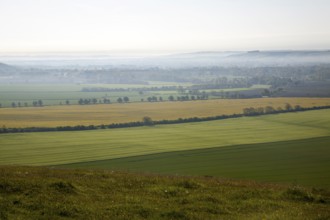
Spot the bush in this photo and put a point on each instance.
(147, 121)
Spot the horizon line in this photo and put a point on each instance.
(141, 53)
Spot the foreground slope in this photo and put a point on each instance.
(43, 193)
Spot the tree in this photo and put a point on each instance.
(160, 99)
(260, 110)
(266, 92)
(288, 107)
(297, 107)
(0, 105)
(40, 103)
(249, 111)
(67, 102)
(171, 98)
(147, 121)
(126, 99)
(269, 109)
(81, 101)
(13, 104)
(181, 90)
(279, 109)
(94, 100)
(119, 100)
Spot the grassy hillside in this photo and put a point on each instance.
(52, 116)
(305, 162)
(42, 193)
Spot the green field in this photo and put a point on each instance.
(54, 148)
(55, 94)
(304, 161)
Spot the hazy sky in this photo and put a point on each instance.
(163, 25)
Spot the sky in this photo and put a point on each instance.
(163, 26)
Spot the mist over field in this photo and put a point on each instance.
(183, 60)
(282, 73)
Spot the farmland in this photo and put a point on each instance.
(56, 148)
(220, 143)
(52, 116)
(57, 94)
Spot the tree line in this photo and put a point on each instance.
(125, 99)
(270, 109)
(38, 103)
(172, 98)
(147, 121)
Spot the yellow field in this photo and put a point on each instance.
(52, 116)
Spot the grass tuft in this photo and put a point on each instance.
(189, 185)
(301, 194)
(175, 215)
(63, 187)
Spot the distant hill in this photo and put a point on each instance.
(249, 58)
(3, 66)
(284, 55)
(181, 60)
(7, 69)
